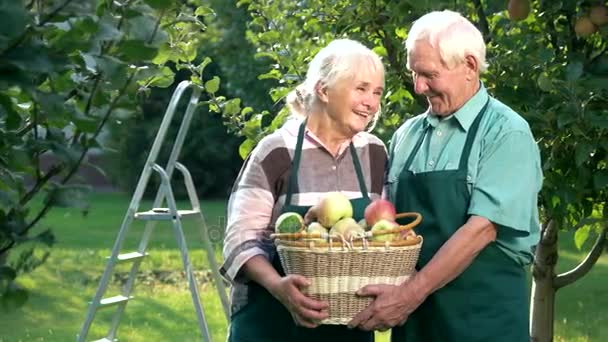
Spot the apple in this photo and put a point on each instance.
(342, 226)
(599, 15)
(333, 207)
(407, 234)
(354, 232)
(584, 27)
(379, 209)
(518, 9)
(384, 225)
(289, 222)
(317, 228)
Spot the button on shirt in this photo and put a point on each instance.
(504, 169)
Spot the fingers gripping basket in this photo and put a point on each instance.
(338, 268)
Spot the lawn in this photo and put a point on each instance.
(162, 310)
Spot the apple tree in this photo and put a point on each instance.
(548, 61)
(67, 69)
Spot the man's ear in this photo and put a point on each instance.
(321, 91)
(472, 66)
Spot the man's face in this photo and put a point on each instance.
(444, 88)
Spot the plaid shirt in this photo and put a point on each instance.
(259, 191)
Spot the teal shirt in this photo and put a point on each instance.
(504, 170)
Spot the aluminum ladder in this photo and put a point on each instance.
(152, 216)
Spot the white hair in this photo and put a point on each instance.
(341, 59)
(453, 35)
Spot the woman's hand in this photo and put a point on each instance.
(305, 311)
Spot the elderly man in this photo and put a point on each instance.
(471, 166)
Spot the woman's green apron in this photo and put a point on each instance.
(488, 301)
(264, 318)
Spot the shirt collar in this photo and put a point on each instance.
(467, 113)
(292, 126)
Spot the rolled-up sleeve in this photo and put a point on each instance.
(249, 214)
(505, 190)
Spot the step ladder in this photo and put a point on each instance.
(158, 213)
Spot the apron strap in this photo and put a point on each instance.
(295, 165)
(357, 164)
(466, 151)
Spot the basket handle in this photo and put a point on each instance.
(417, 220)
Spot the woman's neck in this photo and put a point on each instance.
(327, 132)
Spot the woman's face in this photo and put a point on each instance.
(352, 102)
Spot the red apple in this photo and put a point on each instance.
(379, 209)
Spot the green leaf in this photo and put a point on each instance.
(204, 11)
(136, 51)
(581, 235)
(246, 147)
(582, 153)
(544, 83)
(574, 71)
(160, 4)
(600, 180)
(162, 79)
(401, 32)
(213, 85)
(14, 19)
(232, 107)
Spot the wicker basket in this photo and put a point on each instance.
(337, 269)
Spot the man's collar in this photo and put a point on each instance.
(467, 113)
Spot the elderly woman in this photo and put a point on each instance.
(323, 147)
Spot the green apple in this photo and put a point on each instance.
(333, 207)
(317, 228)
(342, 226)
(384, 225)
(289, 222)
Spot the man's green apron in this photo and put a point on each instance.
(264, 318)
(488, 301)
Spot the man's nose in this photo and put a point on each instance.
(420, 86)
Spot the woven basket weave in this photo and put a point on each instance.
(337, 270)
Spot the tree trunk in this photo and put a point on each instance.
(543, 289)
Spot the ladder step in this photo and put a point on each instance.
(114, 300)
(163, 214)
(133, 256)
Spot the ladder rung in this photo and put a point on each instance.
(114, 300)
(133, 256)
(163, 214)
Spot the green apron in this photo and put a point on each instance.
(264, 318)
(489, 300)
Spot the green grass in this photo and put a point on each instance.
(162, 311)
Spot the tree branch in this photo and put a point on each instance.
(55, 170)
(545, 256)
(585, 266)
(483, 21)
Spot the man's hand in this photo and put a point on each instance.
(391, 307)
(305, 311)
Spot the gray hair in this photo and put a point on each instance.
(340, 59)
(453, 35)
